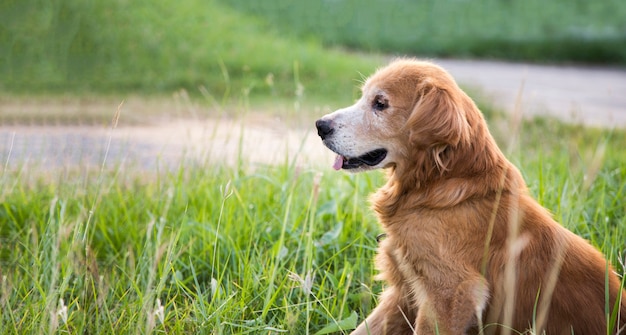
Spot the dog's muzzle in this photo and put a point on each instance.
(325, 130)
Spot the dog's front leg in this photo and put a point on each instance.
(390, 317)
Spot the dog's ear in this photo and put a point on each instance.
(437, 118)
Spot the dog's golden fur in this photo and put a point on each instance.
(467, 248)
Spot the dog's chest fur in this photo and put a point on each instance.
(429, 250)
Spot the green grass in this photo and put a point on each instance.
(160, 47)
(229, 49)
(533, 30)
(219, 249)
(208, 248)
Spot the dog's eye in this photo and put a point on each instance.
(380, 103)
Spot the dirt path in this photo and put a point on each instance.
(592, 96)
(595, 96)
(164, 145)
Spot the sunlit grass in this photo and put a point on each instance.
(209, 247)
(157, 47)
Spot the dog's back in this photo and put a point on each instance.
(560, 281)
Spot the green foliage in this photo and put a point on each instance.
(160, 46)
(532, 30)
(193, 250)
(260, 48)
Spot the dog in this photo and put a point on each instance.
(467, 249)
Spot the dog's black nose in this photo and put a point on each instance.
(324, 128)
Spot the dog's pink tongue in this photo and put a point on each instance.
(338, 162)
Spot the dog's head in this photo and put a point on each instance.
(406, 108)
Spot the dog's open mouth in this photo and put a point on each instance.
(371, 158)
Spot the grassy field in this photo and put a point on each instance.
(210, 248)
(157, 47)
(230, 49)
(236, 249)
(533, 30)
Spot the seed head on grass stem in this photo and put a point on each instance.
(306, 283)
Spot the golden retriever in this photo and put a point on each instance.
(467, 250)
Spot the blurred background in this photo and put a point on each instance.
(76, 62)
(227, 47)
